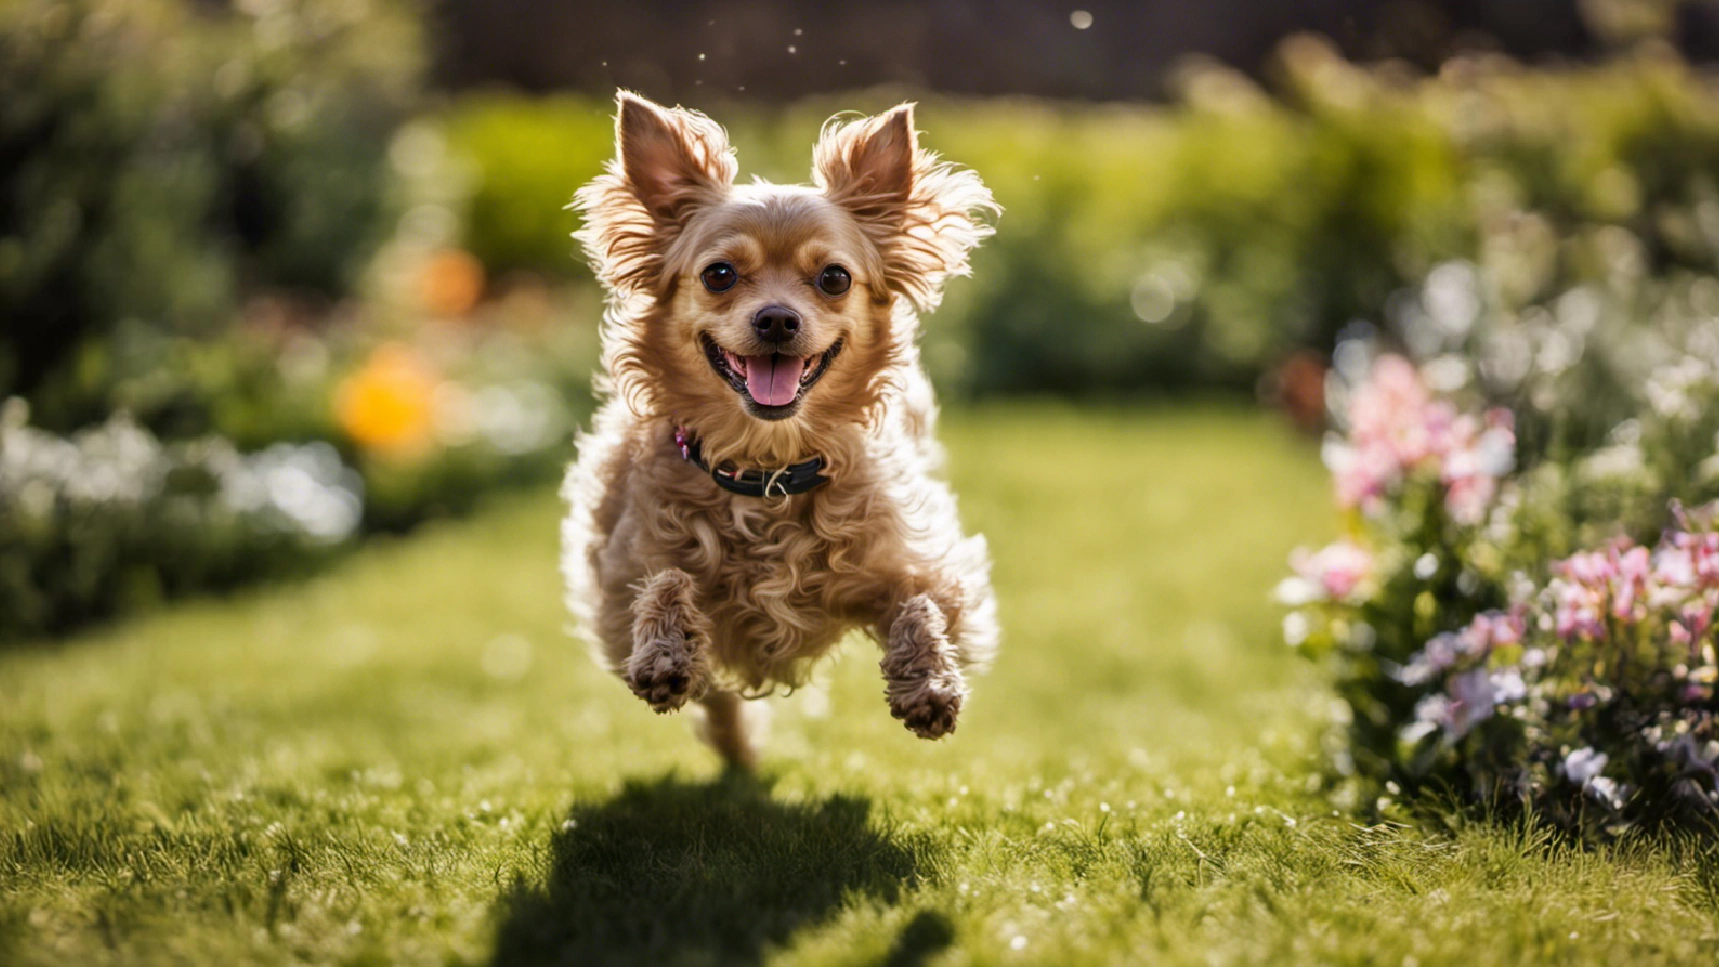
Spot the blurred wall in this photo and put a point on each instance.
(781, 49)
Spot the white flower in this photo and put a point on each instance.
(1447, 373)
(1412, 734)
(1336, 453)
(1296, 591)
(1451, 295)
(1432, 710)
(1616, 461)
(1507, 686)
(1668, 387)
(1584, 765)
(1295, 628)
(1606, 791)
(1495, 451)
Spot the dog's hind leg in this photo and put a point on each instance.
(730, 726)
(670, 661)
(922, 670)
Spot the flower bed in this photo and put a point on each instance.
(113, 518)
(302, 440)
(1519, 627)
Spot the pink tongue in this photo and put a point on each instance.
(773, 380)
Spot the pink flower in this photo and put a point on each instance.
(1692, 623)
(1389, 403)
(1473, 645)
(1632, 568)
(1581, 592)
(1578, 612)
(1466, 499)
(1396, 428)
(1688, 561)
(1620, 581)
(1494, 629)
(1674, 569)
(1362, 475)
(1474, 458)
(1334, 571)
(1705, 549)
(1590, 568)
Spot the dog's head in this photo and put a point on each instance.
(769, 308)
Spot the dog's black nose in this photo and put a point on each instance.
(776, 323)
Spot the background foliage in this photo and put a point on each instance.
(162, 160)
(250, 225)
(1154, 251)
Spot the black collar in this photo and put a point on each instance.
(795, 479)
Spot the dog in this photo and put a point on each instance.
(761, 474)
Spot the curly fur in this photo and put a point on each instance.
(690, 592)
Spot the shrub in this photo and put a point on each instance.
(1498, 626)
(1591, 697)
(113, 519)
(526, 159)
(319, 436)
(162, 159)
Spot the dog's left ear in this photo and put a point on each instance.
(922, 214)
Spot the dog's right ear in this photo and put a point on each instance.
(924, 215)
(669, 162)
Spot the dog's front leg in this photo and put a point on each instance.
(920, 670)
(670, 662)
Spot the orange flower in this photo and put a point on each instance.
(451, 283)
(388, 403)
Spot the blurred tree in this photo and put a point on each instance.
(160, 159)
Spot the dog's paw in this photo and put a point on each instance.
(921, 678)
(668, 671)
(928, 707)
(670, 662)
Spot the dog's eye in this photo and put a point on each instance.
(834, 280)
(719, 276)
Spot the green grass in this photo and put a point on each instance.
(406, 761)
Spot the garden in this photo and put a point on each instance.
(1373, 616)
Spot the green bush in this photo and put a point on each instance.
(527, 157)
(162, 160)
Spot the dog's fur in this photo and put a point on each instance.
(692, 593)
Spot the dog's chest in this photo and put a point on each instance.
(783, 558)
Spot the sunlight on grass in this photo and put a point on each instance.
(406, 760)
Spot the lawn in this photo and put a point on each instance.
(406, 760)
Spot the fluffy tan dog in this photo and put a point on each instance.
(760, 476)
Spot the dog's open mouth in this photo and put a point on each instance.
(773, 383)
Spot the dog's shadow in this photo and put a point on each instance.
(675, 872)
